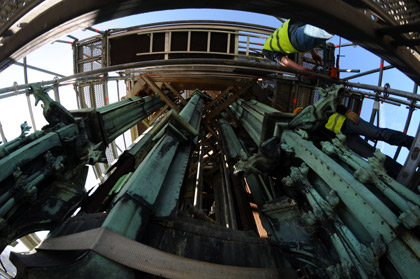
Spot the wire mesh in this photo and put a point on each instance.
(89, 55)
(86, 102)
(98, 89)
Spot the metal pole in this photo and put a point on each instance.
(119, 99)
(369, 72)
(25, 73)
(56, 93)
(228, 190)
(3, 137)
(375, 110)
(216, 62)
(198, 192)
(105, 86)
(38, 69)
(376, 104)
(223, 198)
(407, 123)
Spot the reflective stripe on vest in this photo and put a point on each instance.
(335, 122)
(279, 41)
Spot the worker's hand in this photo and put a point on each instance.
(311, 77)
(353, 117)
(316, 57)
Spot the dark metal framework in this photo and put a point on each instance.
(345, 18)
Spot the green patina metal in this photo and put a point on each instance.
(46, 170)
(329, 210)
(147, 181)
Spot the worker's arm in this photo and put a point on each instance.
(285, 61)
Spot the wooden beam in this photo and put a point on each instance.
(176, 92)
(136, 88)
(162, 95)
(157, 114)
(229, 101)
(210, 129)
(218, 98)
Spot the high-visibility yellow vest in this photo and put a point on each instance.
(335, 122)
(279, 41)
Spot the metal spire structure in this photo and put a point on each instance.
(221, 178)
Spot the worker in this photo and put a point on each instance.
(352, 126)
(293, 37)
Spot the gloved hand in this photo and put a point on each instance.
(353, 116)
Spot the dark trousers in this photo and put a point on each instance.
(357, 144)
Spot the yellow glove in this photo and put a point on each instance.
(297, 110)
(353, 116)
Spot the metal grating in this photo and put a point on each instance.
(109, 154)
(397, 14)
(402, 11)
(98, 90)
(85, 89)
(89, 55)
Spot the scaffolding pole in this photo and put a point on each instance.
(369, 72)
(37, 69)
(25, 73)
(3, 137)
(409, 116)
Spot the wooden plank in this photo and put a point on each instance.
(162, 95)
(230, 100)
(176, 92)
(136, 88)
(218, 98)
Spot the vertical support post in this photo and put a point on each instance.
(167, 44)
(114, 150)
(376, 105)
(92, 95)
(78, 96)
(151, 43)
(56, 93)
(228, 43)
(409, 116)
(105, 87)
(228, 191)
(198, 192)
(236, 52)
(208, 41)
(25, 73)
(74, 46)
(247, 45)
(119, 99)
(189, 41)
(375, 110)
(3, 137)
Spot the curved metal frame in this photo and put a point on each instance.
(333, 15)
